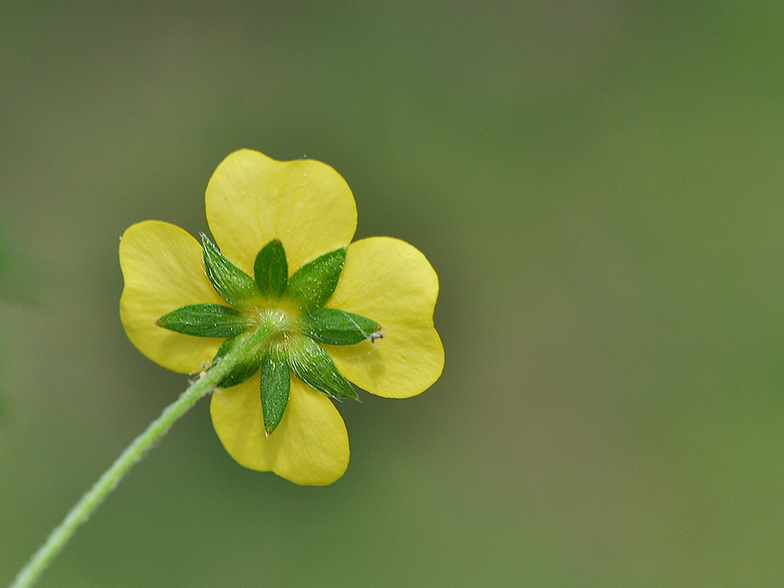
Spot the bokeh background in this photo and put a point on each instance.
(599, 186)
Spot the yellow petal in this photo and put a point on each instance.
(252, 199)
(309, 445)
(391, 282)
(163, 270)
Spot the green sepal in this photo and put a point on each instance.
(205, 320)
(275, 386)
(272, 269)
(244, 369)
(312, 285)
(311, 363)
(338, 327)
(233, 284)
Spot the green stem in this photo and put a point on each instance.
(133, 453)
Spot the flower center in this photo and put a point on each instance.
(278, 321)
(274, 319)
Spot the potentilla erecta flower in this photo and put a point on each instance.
(319, 312)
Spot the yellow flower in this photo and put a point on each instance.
(306, 208)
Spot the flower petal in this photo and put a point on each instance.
(163, 270)
(392, 283)
(252, 199)
(309, 446)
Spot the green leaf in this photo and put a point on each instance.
(311, 363)
(272, 269)
(245, 369)
(233, 284)
(338, 327)
(275, 386)
(205, 320)
(312, 285)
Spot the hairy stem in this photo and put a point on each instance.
(132, 454)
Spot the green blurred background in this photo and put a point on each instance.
(599, 186)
